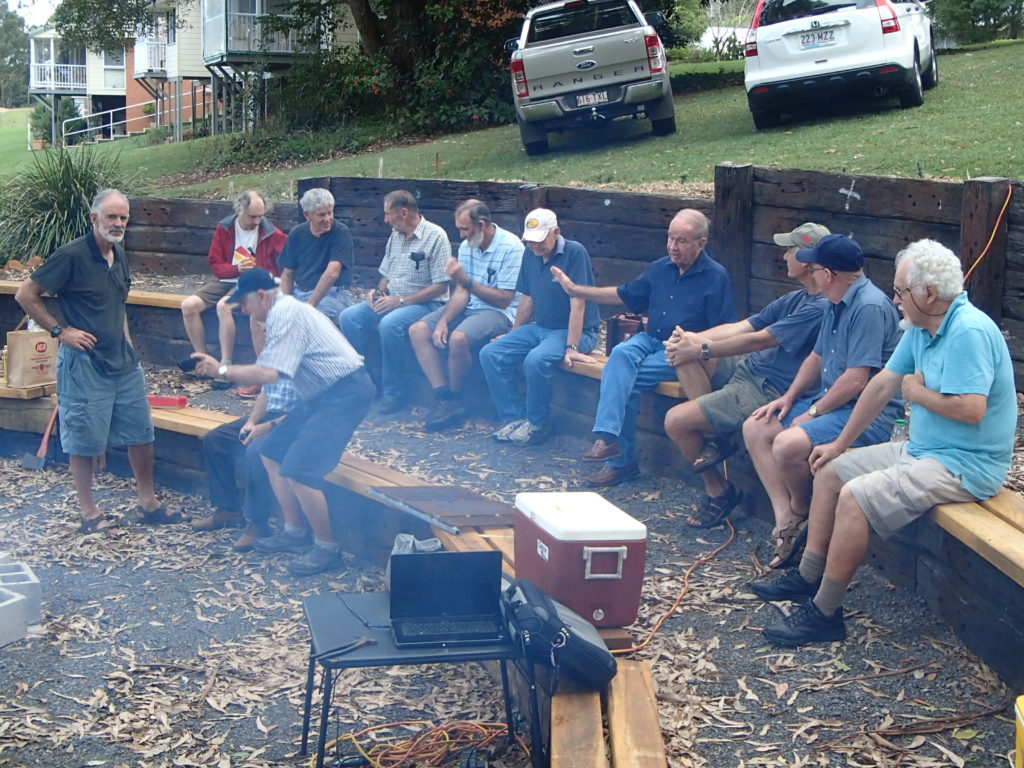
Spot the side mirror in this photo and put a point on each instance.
(511, 46)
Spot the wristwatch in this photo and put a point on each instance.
(573, 347)
(705, 352)
(813, 411)
(222, 371)
(468, 285)
(401, 301)
(56, 330)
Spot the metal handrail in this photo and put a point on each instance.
(207, 99)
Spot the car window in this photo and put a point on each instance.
(775, 11)
(578, 18)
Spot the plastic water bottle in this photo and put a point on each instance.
(900, 433)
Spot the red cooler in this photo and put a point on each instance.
(584, 551)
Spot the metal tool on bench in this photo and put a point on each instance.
(38, 461)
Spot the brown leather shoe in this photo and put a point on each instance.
(609, 475)
(602, 451)
(221, 518)
(244, 542)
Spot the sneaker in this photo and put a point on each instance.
(389, 405)
(807, 625)
(249, 392)
(221, 518)
(529, 433)
(444, 413)
(789, 586)
(282, 541)
(316, 560)
(504, 434)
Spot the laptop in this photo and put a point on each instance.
(446, 599)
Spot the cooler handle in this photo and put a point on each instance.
(589, 552)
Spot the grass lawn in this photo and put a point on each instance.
(13, 150)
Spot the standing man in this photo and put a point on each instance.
(413, 283)
(686, 288)
(241, 241)
(481, 307)
(773, 343)
(954, 367)
(101, 392)
(334, 394)
(550, 328)
(317, 262)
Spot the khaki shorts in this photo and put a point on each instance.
(727, 408)
(893, 488)
(213, 292)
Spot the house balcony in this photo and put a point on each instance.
(60, 78)
(150, 59)
(241, 36)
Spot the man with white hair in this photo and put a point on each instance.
(954, 367)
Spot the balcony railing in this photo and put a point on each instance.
(244, 33)
(150, 56)
(57, 77)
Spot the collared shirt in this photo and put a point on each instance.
(308, 255)
(417, 261)
(305, 346)
(497, 267)
(550, 301)
(91, 297)
(698, 299)
(281, 397)
(794, 321)
(966, 356)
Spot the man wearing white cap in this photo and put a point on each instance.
(549, 327)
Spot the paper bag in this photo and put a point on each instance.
(31, 358)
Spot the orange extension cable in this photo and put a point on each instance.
(995, 229)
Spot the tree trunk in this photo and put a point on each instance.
(368, 24)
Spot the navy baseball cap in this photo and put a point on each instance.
(254, 279)
(836, 252)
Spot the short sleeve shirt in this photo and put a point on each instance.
(794, 321)
(417, 261)
(967, 355)
(550, 302)
(308, 255)
(91, 296)
(698, 299)
(497, 267)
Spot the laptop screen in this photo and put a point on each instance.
(433, 585)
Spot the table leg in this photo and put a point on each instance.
(507, 693)
(325, 710)
(303, 751)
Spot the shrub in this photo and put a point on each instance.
(40, 120)
(157, 134)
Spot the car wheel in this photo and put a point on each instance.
(534, 148)
(535, 140)
(931, 78)
(912, 94)
(664, 127)
(766, 118)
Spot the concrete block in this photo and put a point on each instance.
(13, 621)
(18, 577)
(5, 557)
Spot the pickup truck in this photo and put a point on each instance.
(585, 62)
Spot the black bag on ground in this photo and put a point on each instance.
(556, 636)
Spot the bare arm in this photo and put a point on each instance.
(240, 374)
(496, 297)
(524, 311)
(849, 385)
(287, 281)
(577, 306)
(722, 340)
(30, 297)
(325, 283)
(602, 295)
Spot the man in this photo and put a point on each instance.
(686, 288)
(241, 441)
(101, 392)
(413, 283)
(859, 330)
(317, 262)
(775, 341)
(550, 328)
(955, 368)
(334, 394)
(481, 307)
(241, 241)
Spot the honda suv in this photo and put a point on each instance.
(801, 52)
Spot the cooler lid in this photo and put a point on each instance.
(582, 516)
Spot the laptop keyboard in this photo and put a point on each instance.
(428, 628)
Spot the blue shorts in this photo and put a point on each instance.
(826, 428)
(99, 410)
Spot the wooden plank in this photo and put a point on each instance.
(602, 207)
(731, 230)
(983, 198)
(634, 730)
(156, 299)
(577, 736)
(10, 287)
(168, 263)
(593, 371)
(386, 475)
(616, 639)
(640, 244)
(178, 212)
(26, 415)
(177, 239)
(999, 542)
(501, 538)
(611, 271)
(1008, 506)
(26, 393)
(439, 194)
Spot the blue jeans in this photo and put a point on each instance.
(540, 350)
(359, 320)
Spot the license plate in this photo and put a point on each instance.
(822, 38)
(589, 99)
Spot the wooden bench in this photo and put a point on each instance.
(135, 297)
(593, 371)
(993, 528)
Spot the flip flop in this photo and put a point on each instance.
(713, 454)
(160, 516)
(715, 510)
(790, 540)
(94, 524)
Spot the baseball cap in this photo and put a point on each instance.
(835, 252)
(805, 236)
(539, 222)
(254, 279)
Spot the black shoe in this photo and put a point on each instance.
(283, 541)
(807, 625)
(316, 560)
(389, 405)
(789, 586)
(445, 413)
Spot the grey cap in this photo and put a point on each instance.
(805, 236)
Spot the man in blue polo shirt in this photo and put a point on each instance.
(954, 367)
(549, 328)
(686, 289)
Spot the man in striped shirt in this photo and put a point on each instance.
(334, 394)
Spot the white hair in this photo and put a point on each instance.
(316, 198)
(100, 197)
(932, 263)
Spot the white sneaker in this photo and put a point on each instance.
(503, 435)
(530, 434)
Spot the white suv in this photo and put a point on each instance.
(801, 52)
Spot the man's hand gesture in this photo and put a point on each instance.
(563, 280)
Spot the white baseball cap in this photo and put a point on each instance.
(539, 222)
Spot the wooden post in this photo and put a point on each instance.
(983, 199)
(531, 196)
(732, 226)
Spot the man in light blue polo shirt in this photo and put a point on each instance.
(955, 370)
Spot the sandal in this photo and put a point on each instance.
(95, 524)
(716, 509)
(713, 454)
(160, 516)
(789, 541)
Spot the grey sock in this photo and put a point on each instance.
(293, 530)
(330, 546)
(830, 596)
(812, 566)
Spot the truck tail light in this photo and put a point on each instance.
(519, 78)
(655, 53)
(887, 14)
(750, 47)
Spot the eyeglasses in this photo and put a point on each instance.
(816, 269)
(901, 291)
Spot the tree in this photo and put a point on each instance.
(977, 21)
(13, 60)
(104, 26)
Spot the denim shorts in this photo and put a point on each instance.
(826, 427)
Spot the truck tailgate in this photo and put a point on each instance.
(568, 65)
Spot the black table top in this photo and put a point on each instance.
(337, 619)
